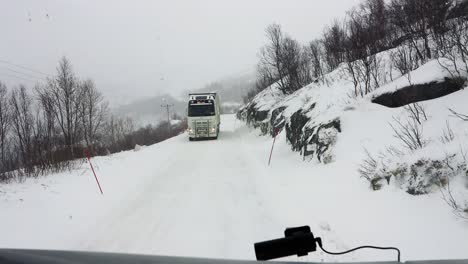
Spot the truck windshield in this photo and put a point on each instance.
(201, 110)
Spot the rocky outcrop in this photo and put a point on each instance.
(254, 117)
(319, 140)
(277, 120)
(294, 130)
(420, 92)
(314, 140)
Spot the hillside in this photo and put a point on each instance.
(402, 65)
(408, 133)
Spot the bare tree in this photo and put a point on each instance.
(283, 61)
(453, 45)
(271, 55)
(334, 38)
(117, 128)
(93, 112)
(417, 19)
(296, 65)
(23, 122)
(365, 37)
(316, 57)
(51, 131)
(4, 123)
(65, 95)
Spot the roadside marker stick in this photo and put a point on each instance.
(274, 139)
(92, 168)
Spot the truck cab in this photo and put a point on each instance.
(203, 116)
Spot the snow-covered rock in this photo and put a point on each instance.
(310, 116)
(432, 80)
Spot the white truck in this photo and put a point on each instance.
(203, 115)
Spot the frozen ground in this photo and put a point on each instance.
(216, 198)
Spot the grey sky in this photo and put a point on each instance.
(139, 48)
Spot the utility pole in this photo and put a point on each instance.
(167, 105)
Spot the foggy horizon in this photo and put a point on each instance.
(137, 49)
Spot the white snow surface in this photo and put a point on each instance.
(217, 198)
(433, 71)
(268, 98)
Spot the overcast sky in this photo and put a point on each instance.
(138, 48)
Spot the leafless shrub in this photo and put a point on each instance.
(368, 171)
(457, 208)
(447, 134)
(459, 115)
(409, 133)
(416, 112)
(393, 151)
(463, 155)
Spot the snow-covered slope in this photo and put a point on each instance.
(216, 198)
(326, 122)
(311, 116)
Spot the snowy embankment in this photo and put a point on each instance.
(216, 198)
(314, 120)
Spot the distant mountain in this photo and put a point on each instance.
(230, 89)
(149, 110)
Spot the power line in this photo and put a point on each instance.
(25, 74)
(18, 77)
(24, 67)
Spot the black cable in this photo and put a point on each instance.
(319, 242)
(25, 74)
(23, 67)
(18, 77)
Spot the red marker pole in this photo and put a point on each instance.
(92, 168)
(274, 139)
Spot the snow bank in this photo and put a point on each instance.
(432, 71)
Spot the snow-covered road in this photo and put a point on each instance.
(204, 193)
(216, 198)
